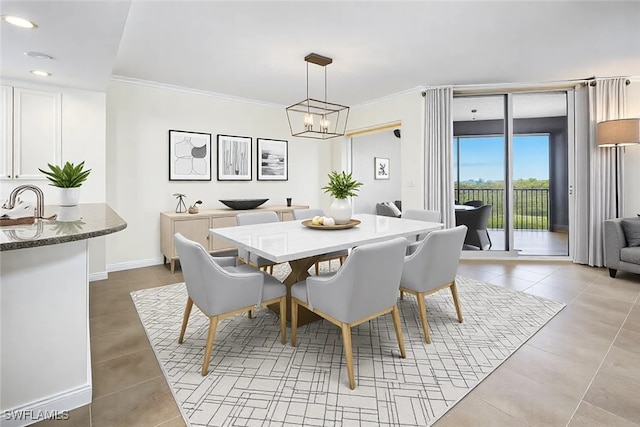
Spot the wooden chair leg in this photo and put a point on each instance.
(402, 295)
(294, 322)
(454, 293)
(348, 354)
(423, 317)
(185, 319)
(213, 325)
(396, 324)
(271, 269)
(283, 320)
(249, 314)
(342, 258)
(317, 268)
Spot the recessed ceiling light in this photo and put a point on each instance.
(40, 73)
(19, 21)
(38, 55)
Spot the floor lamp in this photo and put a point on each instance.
(618, 133)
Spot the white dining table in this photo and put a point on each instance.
(301, 246)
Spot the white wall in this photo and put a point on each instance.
(83, 138)
(632, 156)
(365, 148)
(408, 109)
(138, 187)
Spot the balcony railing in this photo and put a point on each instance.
(530, 205)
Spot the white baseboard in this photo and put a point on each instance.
(134, 264)
(101, 275)
(56, 406)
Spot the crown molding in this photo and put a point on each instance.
(417, 89)
(222, 96)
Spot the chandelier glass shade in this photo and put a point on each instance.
(314, 118)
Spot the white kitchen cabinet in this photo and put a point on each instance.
(31, 126)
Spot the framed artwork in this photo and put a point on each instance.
(234, 158)
(381, 168)
(273, 161)
(189, 156)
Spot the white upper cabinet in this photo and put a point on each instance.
(31, 132)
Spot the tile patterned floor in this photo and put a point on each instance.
(581, 369)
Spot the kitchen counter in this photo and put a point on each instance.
(45, 366)
(96, 219)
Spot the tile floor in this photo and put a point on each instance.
(581, 369)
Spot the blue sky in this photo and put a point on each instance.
(483, 157)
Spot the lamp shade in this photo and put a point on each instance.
(618, 132)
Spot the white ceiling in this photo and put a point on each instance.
(256, 50)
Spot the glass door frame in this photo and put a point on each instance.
(508, 135)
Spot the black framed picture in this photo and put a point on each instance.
(234, 158)
(272, 160)
(189, 156)
(381, 168)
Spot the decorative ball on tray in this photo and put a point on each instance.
(328, 223)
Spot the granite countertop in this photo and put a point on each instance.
(96, 219)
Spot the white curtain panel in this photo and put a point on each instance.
(596, 167)
(438, 141)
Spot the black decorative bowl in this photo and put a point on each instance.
(243, 204)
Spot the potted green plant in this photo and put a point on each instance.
(69, 178)
(341, 186)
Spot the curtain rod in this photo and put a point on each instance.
(593, 82)
(522, 87)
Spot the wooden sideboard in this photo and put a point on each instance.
(196, 227)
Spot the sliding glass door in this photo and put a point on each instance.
(511, 152)
(480, 162)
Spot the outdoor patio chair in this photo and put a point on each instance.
(476, 221)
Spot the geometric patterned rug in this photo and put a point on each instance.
(254, 380)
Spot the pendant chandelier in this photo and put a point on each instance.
(313, 118)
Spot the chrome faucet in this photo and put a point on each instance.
(11, 203)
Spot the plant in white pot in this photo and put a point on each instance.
(69, 178)
(341, 186)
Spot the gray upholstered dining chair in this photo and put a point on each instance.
(300, 214)
(433, 267)
(419, 215)
(250, 219)
(221, 289)
(365, 287)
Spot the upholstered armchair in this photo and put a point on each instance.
(256, 218)
(432, 267)
(221, 289)
(419, 215)
(365, 287)
(389, 209)
(622, 245)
